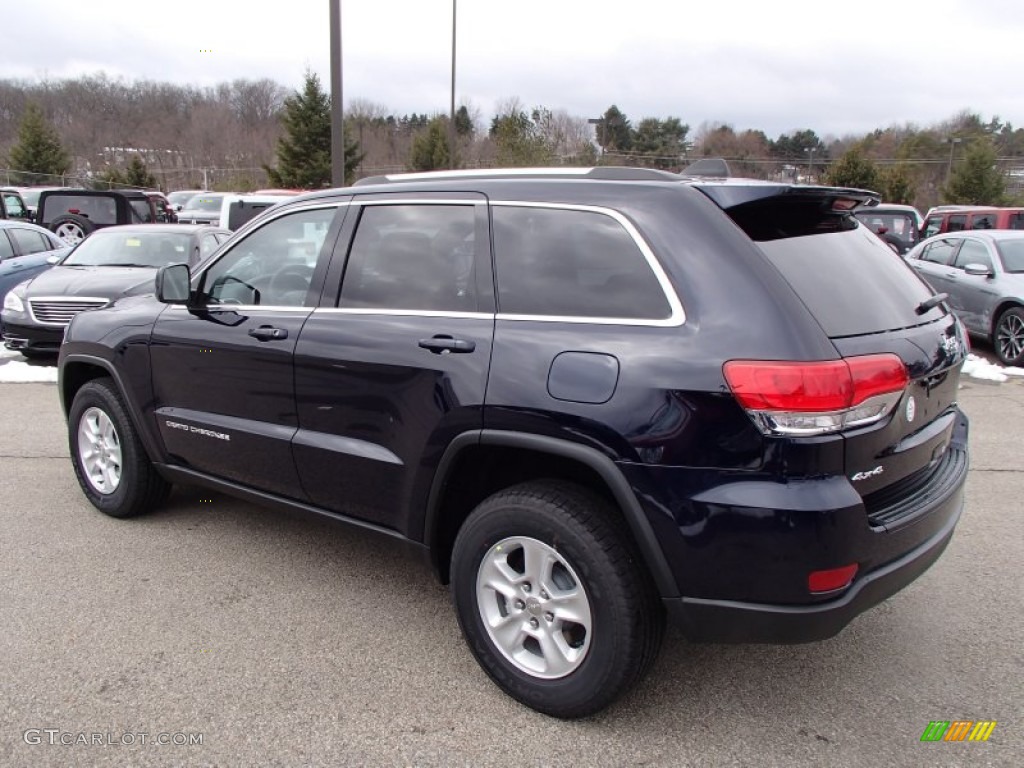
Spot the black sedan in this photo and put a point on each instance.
(110, 263)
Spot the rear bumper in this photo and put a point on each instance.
(729, 621)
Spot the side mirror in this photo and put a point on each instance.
(977, 269)
(178, 207)
(173, 284)
(52, 259)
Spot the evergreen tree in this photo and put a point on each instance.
(897, 185)
(976, 180)
(614, 132)
(853, 169)
(136, 174)
(38, 152)
(518, 141)
(430, 148)
(304, 151)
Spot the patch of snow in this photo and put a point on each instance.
(17, 371)
(980, 368)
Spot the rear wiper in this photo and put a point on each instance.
(931, 302)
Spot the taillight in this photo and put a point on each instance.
(813, 398)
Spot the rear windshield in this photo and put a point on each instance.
(98, 209)
(849, 279)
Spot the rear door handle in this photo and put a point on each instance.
(268, 333)
(443, 345)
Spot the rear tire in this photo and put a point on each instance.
(553, 599)
(1008, 338)
(110, 462)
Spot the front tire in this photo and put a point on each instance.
(110, 462)
(553, 600)
(1009, 337)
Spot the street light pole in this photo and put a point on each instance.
(337, 108)
(952, 146)
(810, 164)
(451, 115)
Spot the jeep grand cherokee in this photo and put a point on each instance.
(592, 398)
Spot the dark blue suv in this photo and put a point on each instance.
(593, 399)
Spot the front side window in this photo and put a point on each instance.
(412, 257)
(932, 226)
(15, 209)
(29, 241)
(973, 252)
(558, 262)
(1016, 221)
(940, 252)
(273, 265)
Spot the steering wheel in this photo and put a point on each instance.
(289, 279)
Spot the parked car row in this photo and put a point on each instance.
(111, 262)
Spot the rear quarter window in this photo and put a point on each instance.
(560, 262)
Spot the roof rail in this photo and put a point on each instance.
(605, 172)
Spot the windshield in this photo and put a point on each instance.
(204, 203)
(131, 249)
(1012, 254)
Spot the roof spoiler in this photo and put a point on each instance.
(732, 193)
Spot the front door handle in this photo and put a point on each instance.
(443, 345)
(268, 333)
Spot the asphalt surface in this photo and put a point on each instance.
(284, 641)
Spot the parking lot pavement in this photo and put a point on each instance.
(281, 641)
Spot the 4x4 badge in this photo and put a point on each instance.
(868, 473)
(911, 409)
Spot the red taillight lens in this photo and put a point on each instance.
(876, 375)
(829, 385)
(832, 579)
(817, 397)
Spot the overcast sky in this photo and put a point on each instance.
(775, 65)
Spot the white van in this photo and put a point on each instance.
(236, 210)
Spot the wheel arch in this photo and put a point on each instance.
(77, 370)
(480, 463)
(997, 313)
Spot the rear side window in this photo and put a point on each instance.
(412, 257)
(939, 253)
(983, 221)
(6, 249)
(1016, 221)
(556, 262)
(849, 279)
(29, 241)
(957, 223)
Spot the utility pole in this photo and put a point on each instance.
(451, 115)
(337, 109)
